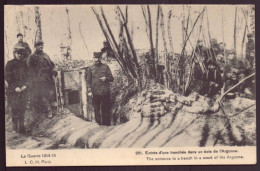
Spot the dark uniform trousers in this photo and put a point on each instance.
(18, 102)
(42, 93)
(102, 108)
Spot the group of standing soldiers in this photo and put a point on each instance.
(217, 68)
(29, 78)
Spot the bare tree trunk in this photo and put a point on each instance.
(145, 19)
(208, 27)
(139, 80)
(68, 27)
(6, 44)
(245, 13)
(170, 34)
(117, 56)
(243, 41)
(157, 35)
(24, 32)
(83, 38)
(235, 31)
(223, 36)
(173, 68)
(18, 25)
(151, 43)
(183, 25)
(167, 74)
(120, 55)
(38, 34)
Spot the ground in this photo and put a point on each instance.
(180, 125)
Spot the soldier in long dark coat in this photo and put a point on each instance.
(16, 77)
(98, 78)
(41, 72)
(212, 80)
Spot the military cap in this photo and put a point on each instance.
(232, 51)
(19, 34)
(222, 43)
(200, 40)
(96, 54)
(249, 35)
(105, 43)
(39, 42)
(211, 62)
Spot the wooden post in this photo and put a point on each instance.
(84, 95)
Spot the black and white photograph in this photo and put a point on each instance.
(82, 77)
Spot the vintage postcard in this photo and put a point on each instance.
(98, 85)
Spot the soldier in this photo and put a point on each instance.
(199, 67)
(212, 80)
(234, 71)
(221, 58)
(98, 78)
(16, 77)
(201, 54)
(250, 51)
(41, 72)
(106, 51)
(23, 44)
(214, 49)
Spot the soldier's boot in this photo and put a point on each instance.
(15, 124)
(21, 127)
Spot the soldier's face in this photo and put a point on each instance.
(231, 56)
(18, 55)
(97, 60)
(211, 67)
(200, 44)
(20, 38)
(39, 47)
(222, 46)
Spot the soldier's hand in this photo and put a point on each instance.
(18, 90)
(103, 78)
(90, 94)
(23, 88)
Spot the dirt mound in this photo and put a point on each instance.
(182, 124)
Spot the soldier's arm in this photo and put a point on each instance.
(109, 77)
(31, 61)
(9, 76)
(28, 49)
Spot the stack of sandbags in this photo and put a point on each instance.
(72, 65)
(153, 105)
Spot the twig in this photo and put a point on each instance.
(83, 38)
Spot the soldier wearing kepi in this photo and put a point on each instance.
(98, 78)
(41, 72)
(23, 44)
(16, 77)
